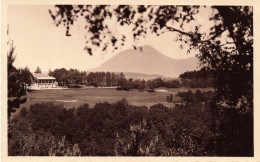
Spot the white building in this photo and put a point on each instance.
(44, 81)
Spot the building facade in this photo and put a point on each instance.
(44, 81)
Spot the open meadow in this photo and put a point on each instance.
(75, 97)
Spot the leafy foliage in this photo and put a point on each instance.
(234, 126)
(62, 149)
(29, 137)
(111, 129)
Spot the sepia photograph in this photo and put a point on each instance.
(102, 80)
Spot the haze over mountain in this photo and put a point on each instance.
(148, 61)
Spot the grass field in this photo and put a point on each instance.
(75, 97)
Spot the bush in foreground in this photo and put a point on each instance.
(121, 129)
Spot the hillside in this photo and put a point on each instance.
(148, 61)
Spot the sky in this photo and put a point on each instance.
(40, 43)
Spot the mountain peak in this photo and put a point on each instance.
(147, 60)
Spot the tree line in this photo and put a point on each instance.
(66, 77)
(197, 74)
(110, 79)
(198, 79)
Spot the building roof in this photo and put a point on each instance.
(42, 76)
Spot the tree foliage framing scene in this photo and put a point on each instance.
(139, 102)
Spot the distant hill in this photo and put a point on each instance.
(141, 75)
(147, 60)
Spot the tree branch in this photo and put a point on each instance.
(179, 31)
(192, 36)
